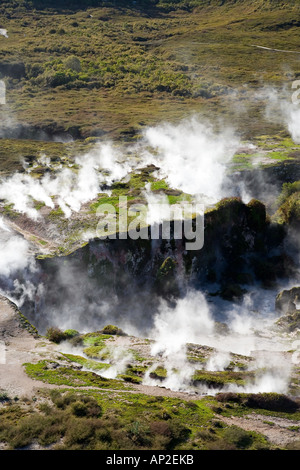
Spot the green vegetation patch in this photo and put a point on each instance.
(273, 402)
(221, 378)
(87, 363)
(160, 373)
(27, 325)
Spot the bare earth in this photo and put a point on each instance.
(17, 347)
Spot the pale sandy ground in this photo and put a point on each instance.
(17, 347)
(277, 433)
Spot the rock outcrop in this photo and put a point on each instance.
(286, 301)
(241, 248)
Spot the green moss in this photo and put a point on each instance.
(27, 325)
(97, 352)
(137, 356)
(288, 189)
(161, 184)
(159, 373)
(112, 330)
(289, 211)
(87, 363)
(67, 376)
(56, 214)
(96, 338)
(220, 379)
(71, 333)
(167, 268)
(130, 378)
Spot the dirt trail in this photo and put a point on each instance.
(275, 50)
(277, 430)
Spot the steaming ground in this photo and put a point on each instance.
(193, 157)
(249, 335)
(185, 340)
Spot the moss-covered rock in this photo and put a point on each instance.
(290, 322)
(71, 333)
(167, 267)
(112, 330)
(160, 373)
(286, 300)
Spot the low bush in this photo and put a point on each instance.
(271, 402)
(238, 437)
(266, 401)
(112, 330)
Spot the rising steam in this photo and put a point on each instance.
(192, 155)
(280, 108)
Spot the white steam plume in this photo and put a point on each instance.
(218, 361)
(281, 109)
(14, 253)
(119, 359)
(188, 322)
(191, 155)
(3, 32)
(71, 188)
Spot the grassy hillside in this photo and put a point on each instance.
(112, 71)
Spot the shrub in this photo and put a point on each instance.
(160, 427)
(57, 78)
(287, 190)
(266, 401)
(178, 432)
(240, 438)
(55, 335)
(139, 433)
(112, 330)
(79, 409)
(271, 402)
(34, 70)
(79, 432)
